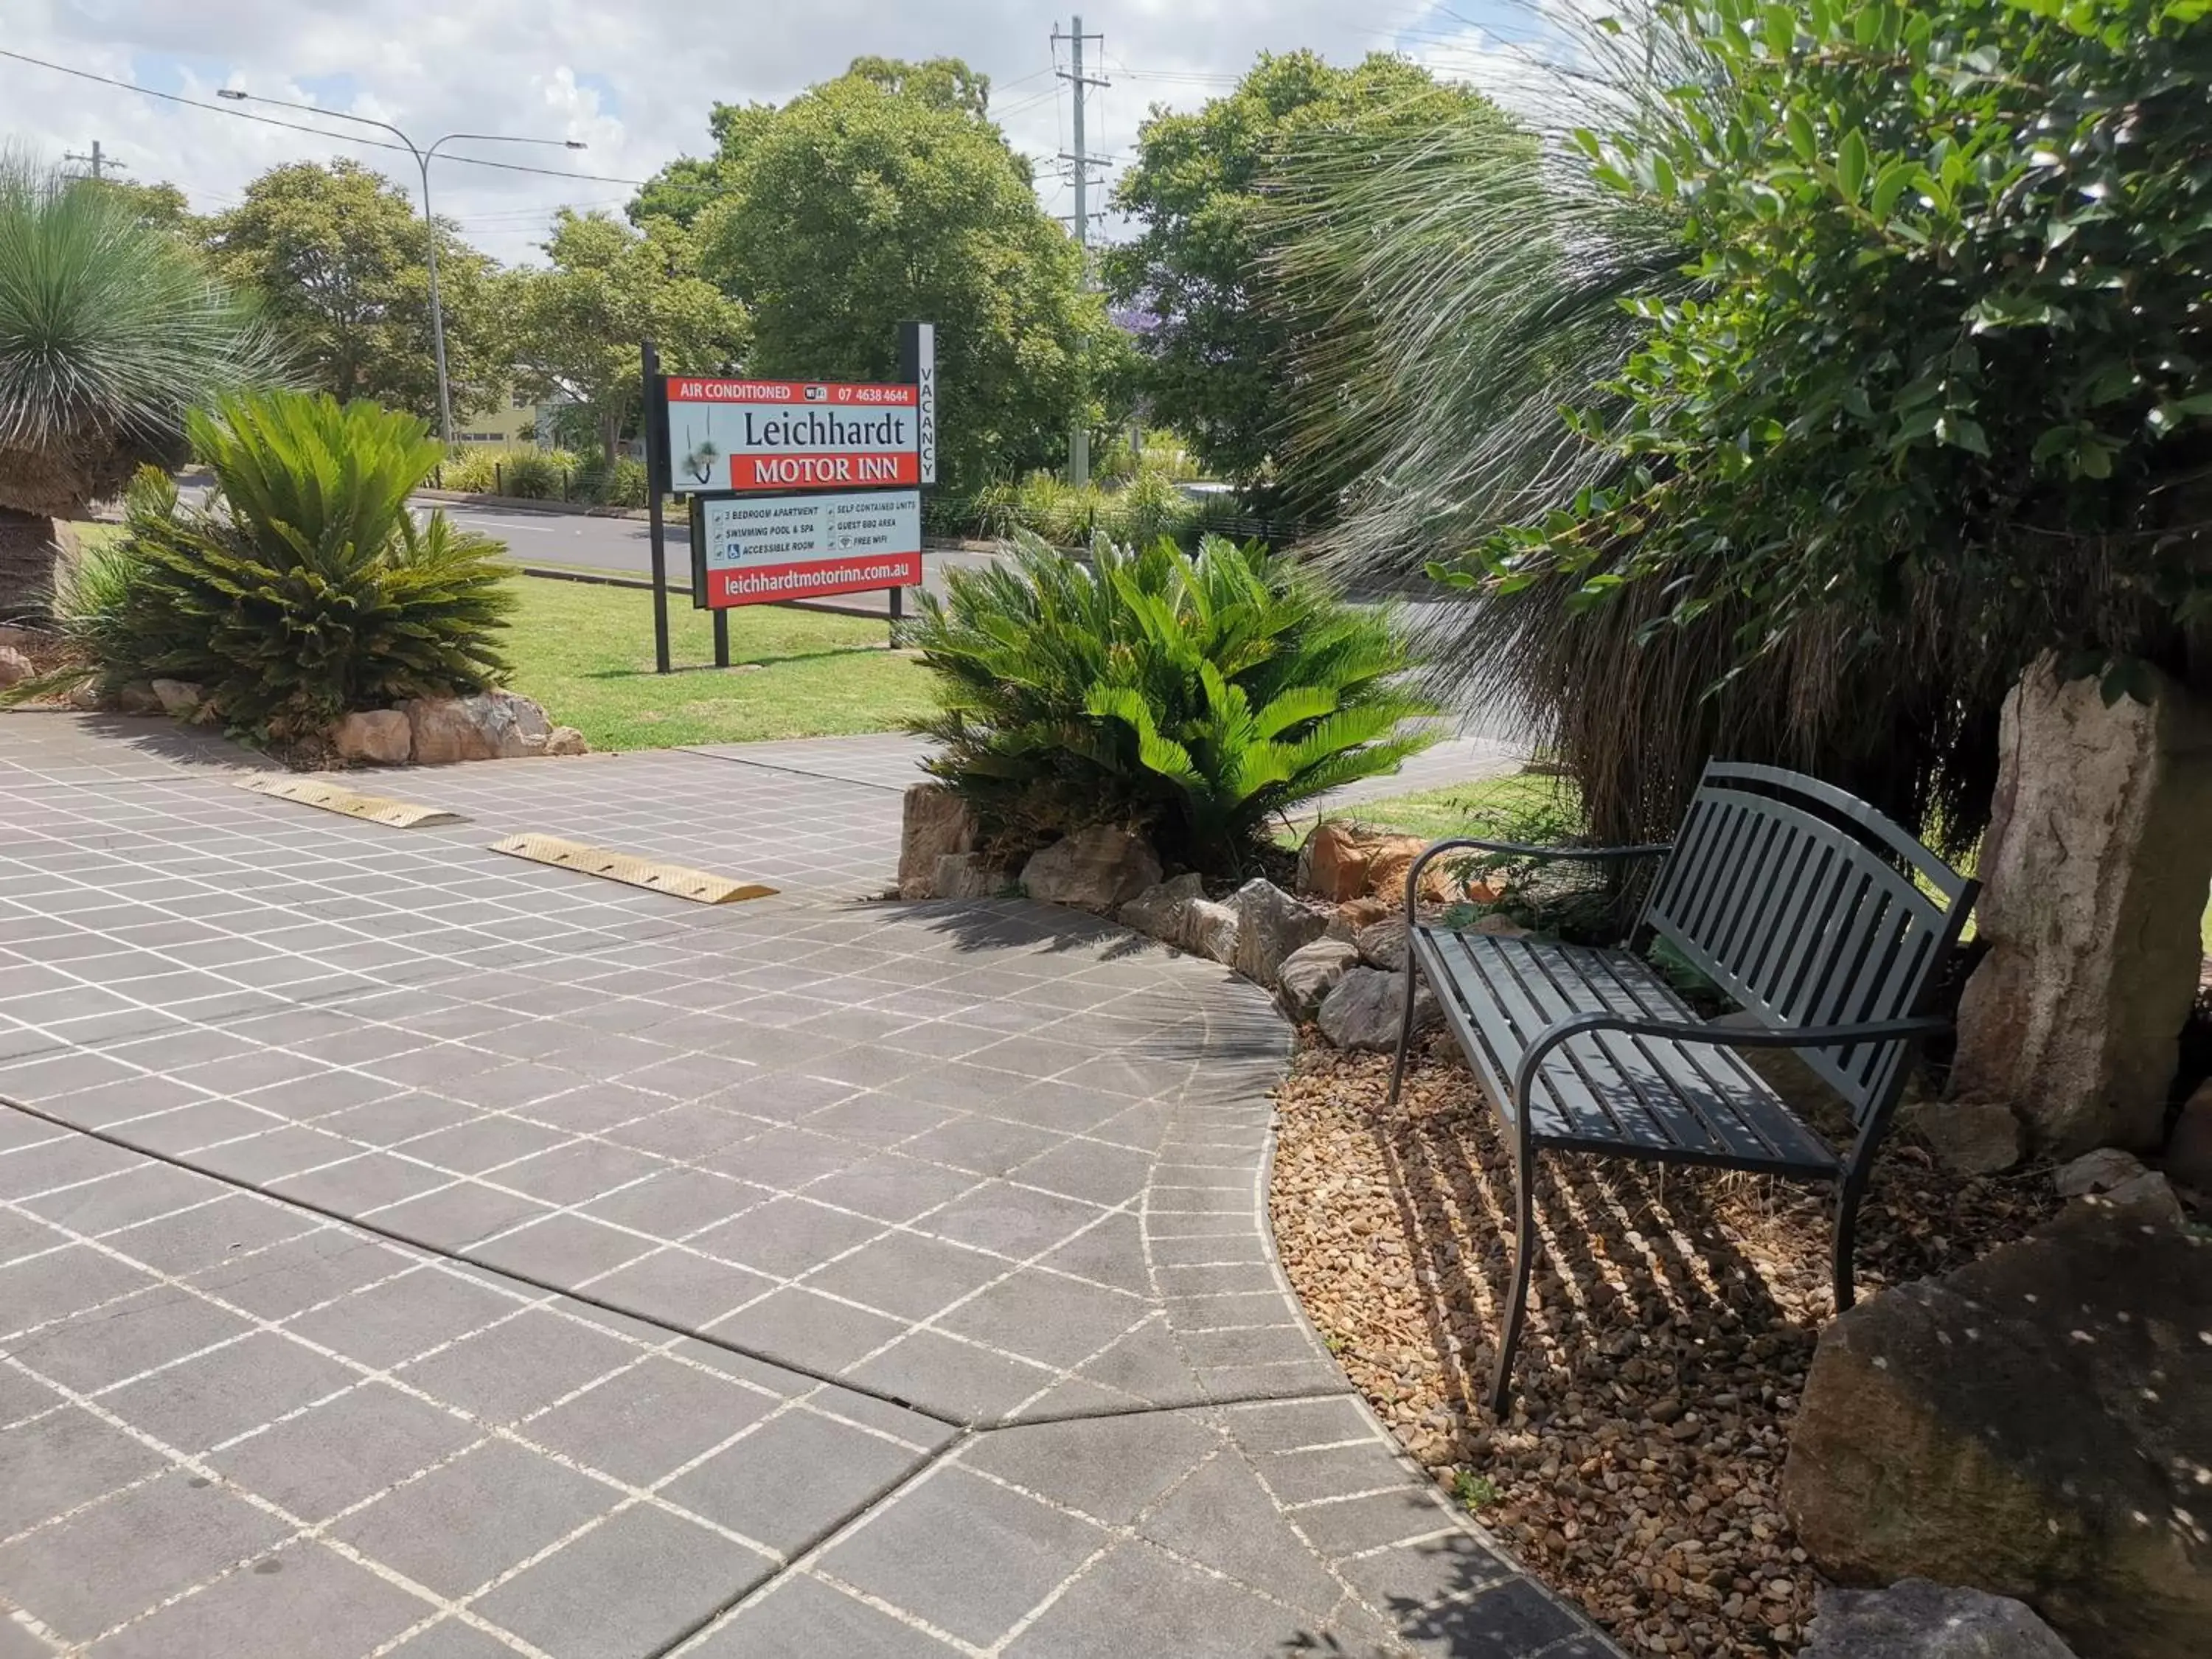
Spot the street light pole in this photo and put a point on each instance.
(429, 224)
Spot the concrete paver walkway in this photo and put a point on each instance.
(409, 1250)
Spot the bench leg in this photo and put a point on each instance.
(1524, 1257)
(1847, 1192)
(1405, 1022)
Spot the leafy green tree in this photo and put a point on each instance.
(872, 198)
(160, 206)
(577, 324)
(688, 186)
(1221, 364)
(340, 258)
(110, 331)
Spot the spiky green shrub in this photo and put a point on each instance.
(1149, 507)
(1194, 695)
(536, 475)
(310, 589)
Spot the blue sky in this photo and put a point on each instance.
(632, 81)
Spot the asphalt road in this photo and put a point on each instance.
(571, 541)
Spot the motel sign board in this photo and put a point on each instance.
(755, 436)
(754, 549)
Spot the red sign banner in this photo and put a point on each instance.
(815, 578)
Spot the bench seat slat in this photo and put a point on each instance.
(1608, 1091)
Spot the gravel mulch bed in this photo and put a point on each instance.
(1672, 1319)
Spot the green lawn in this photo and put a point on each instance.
(585, 652)
(1528, 804)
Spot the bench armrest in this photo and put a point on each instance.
(1803, 1036)
(1520, 850)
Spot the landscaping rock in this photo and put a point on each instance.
(1382, 943)
(1270, 924)
(2096, 864)
(1365, 1008)
(2187, 1158)
(967, 876)
(490, 725)
(1966, 1138)
(2096, 1172)
(1159, 910)
(2035, 1424)
(1210, 930)
(934, 823)
(14, 666)
(1914, 1619)
(378, 735)
(136, 697)
(180, 698)
(1101, 869)
(2149, 1199)
(566, 740)
(1343, 861)
(1499, 927)
(1308, 974)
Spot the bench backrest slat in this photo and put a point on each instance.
(1810, 909)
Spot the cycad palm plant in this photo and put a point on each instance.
(1196, 696)
(309, 588)
(110, 330)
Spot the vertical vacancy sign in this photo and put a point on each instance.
(799, 488)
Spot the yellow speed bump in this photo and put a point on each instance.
(696, 885)
(375, 809)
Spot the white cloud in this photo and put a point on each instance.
(632, 81)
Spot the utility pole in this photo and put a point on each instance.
(1078, 443)
(101, 162)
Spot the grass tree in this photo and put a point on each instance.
(110, 331)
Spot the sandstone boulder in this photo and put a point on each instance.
(969, 876)
(2096, 1172)
(2188, 1157)
(1367, 1007)
(490, 725)
(2035, 1424)
(1210, 930)
(933, 823)
(180, 698)
(136, 697)
(1101, 869)
(1914, 1619)
(381, 736)
(14, 666)
(2096, 864)
(1382, 943)
(1160, 910)
(1270, 924)
(566, 740)
(1966, 1138)
(1308, 974)
(1343, 861)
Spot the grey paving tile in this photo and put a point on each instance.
(677, 1203)
(786, 1236)
(961, 1380)
(518, 1366)
(1013, 1551)
(116, 1559)
(680, 1288)
(569, 1175)
(138, 1193)
(789, 1481)
(626, 1589)
(1108, 1467)
(389, 1322)
(453, 1218)
(452, 1639)
(198, 1238)
(1508, 1622)
(365, 1181)
(561, 1249)
(644, 1422)
(1043, 1316)
(193, 1404)
(1221, 1517)
(335, 1455)
(463, 1524)
(799, 1326)
(1139, 1599)
(65, 1458)
(302, 1601)
(908, 1274)
(156, 1325)
(804, 1619)
(890, 1187)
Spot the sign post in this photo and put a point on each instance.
(656, 475)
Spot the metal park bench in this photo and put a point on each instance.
(1794, 898)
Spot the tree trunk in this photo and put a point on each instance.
(610, 433)
(2096, 864)
(29, 546)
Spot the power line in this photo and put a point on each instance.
(99, 158)
(296, 127)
